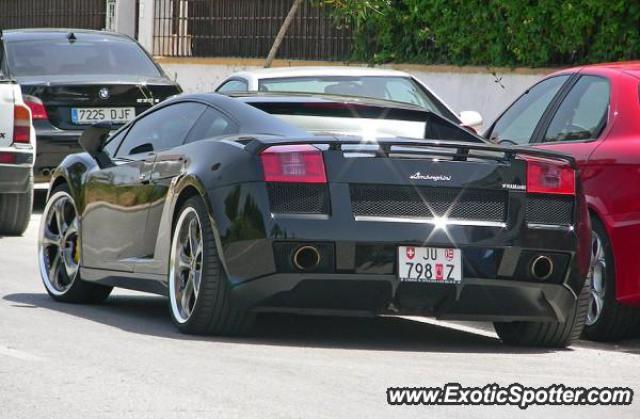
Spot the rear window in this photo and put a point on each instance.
(59, 57)
(397, 89)
(328, 118)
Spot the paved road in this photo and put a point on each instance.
(124, 359)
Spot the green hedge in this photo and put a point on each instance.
(492, 32)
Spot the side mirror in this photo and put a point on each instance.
(471, 119)
(93, 139)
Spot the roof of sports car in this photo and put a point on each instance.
(250, 119)
(309, 71)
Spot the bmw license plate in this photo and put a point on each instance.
(429, 264)
(88, 116)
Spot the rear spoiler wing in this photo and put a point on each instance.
(442, 137)
(436, 126)
(458, 150)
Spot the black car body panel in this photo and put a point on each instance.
(57, 134)
(128, 211)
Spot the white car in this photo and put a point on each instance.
(375, 83)
(17, 148)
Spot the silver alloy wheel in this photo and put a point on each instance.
(59, 244)
(598, 274)
(185, 270)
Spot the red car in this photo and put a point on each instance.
(593, 114)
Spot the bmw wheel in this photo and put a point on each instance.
(59, 252)
(198, 287)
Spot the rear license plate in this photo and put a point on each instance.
(86, 116)
(429, 264)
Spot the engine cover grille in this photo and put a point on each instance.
(298, 198)
(428, 202)
(550, 210)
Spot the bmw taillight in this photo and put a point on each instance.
(21, 124)
(301, 163)
(550, 177)
(38, 111)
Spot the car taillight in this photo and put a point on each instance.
(38, 111)
(293, 164)
(21, 124)
(550, 177)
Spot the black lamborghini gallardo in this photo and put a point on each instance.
(229, 211)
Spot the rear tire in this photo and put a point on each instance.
(608, 320)
(59, 253)
(548, 334)
(15, 212)
(199, 291)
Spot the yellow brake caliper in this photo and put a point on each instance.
(76, 253)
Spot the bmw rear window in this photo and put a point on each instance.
(59, 57)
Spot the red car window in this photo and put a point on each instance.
(517, 124)
(582, 114)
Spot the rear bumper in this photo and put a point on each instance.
(52, 147)
(368, 295)
(16, 177)
(359, 273)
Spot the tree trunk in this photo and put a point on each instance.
(282, 33)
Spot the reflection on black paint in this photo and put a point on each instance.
(246, 220)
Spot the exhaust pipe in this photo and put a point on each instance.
(541, 268)
(306, 258)
(46, 172)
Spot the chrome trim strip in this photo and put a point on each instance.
(536, 226)
(417, 220)
(300, 216)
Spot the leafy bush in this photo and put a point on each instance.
(491, 32)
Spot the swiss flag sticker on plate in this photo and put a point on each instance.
(411, 252)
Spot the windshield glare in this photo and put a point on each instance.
(397, 89)
(87, 57)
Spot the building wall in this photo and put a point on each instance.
(463, 88)
(85, 14)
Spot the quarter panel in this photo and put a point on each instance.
(614, 173)
(609, 179)
(202, 165)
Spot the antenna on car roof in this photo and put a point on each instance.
(72, 37)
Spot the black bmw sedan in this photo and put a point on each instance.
(230, 211)
(74, 78)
